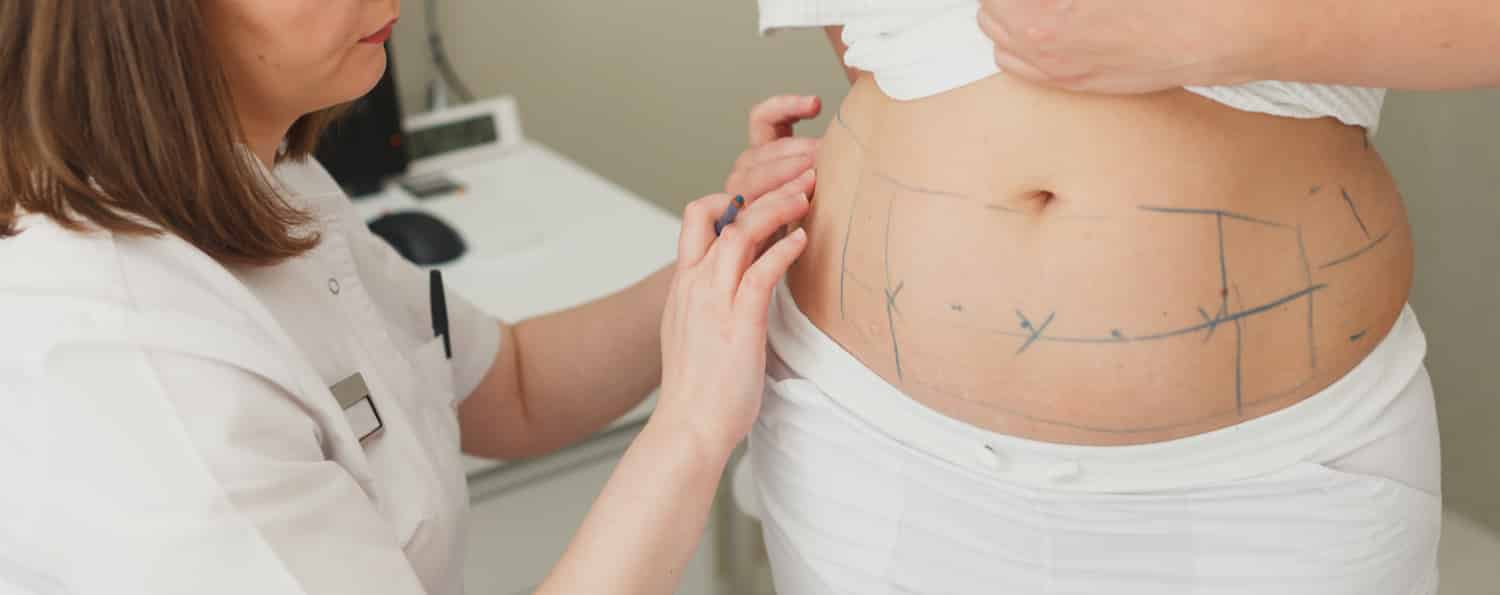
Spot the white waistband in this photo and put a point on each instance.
(1342, 417)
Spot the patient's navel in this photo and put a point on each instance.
(1033, 202)
(1041, 199)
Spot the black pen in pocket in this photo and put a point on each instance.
(440, 311)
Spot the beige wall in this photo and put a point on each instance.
(652, 94)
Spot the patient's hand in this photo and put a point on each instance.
(1140, 46)
(775, 157)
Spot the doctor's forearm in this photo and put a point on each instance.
(563, 376)
(1404, 44)
(646, 524)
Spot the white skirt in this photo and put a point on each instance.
(862, 490)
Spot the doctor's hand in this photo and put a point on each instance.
(775, 157)
(1109, 46)
(714, 326)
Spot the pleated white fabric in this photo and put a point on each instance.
(864, 491)
(919, 48)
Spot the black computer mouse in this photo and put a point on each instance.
(420, 237)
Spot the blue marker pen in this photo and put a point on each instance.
(729, 214)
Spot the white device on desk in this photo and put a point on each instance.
(463, 135)
(456, 137)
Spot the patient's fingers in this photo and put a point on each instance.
(1012, 58)
(773, 118)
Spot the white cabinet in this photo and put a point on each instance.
(524, 514)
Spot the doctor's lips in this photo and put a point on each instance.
(380, 36)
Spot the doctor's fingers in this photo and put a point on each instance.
(740, 242)
(777, 149)
(753, 300)
(697, 233)
(773, 118)
(761, 177)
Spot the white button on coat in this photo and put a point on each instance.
(169, 429)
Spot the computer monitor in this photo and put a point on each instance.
(367, 146)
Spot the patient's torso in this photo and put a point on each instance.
(1099, 270)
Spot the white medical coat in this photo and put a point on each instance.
(167, 425)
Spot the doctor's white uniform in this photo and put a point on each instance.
(168, 425)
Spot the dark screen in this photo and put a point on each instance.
(460, 134)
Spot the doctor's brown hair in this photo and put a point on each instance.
(116, 114)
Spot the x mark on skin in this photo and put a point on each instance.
(1213, 321)
(1036, 332)
(890, 297)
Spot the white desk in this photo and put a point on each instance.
(544, 234)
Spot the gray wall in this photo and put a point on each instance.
(1445, 152)
(653, 94)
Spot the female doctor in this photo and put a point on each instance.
(216, 380)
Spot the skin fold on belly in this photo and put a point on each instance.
(1099, 270)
